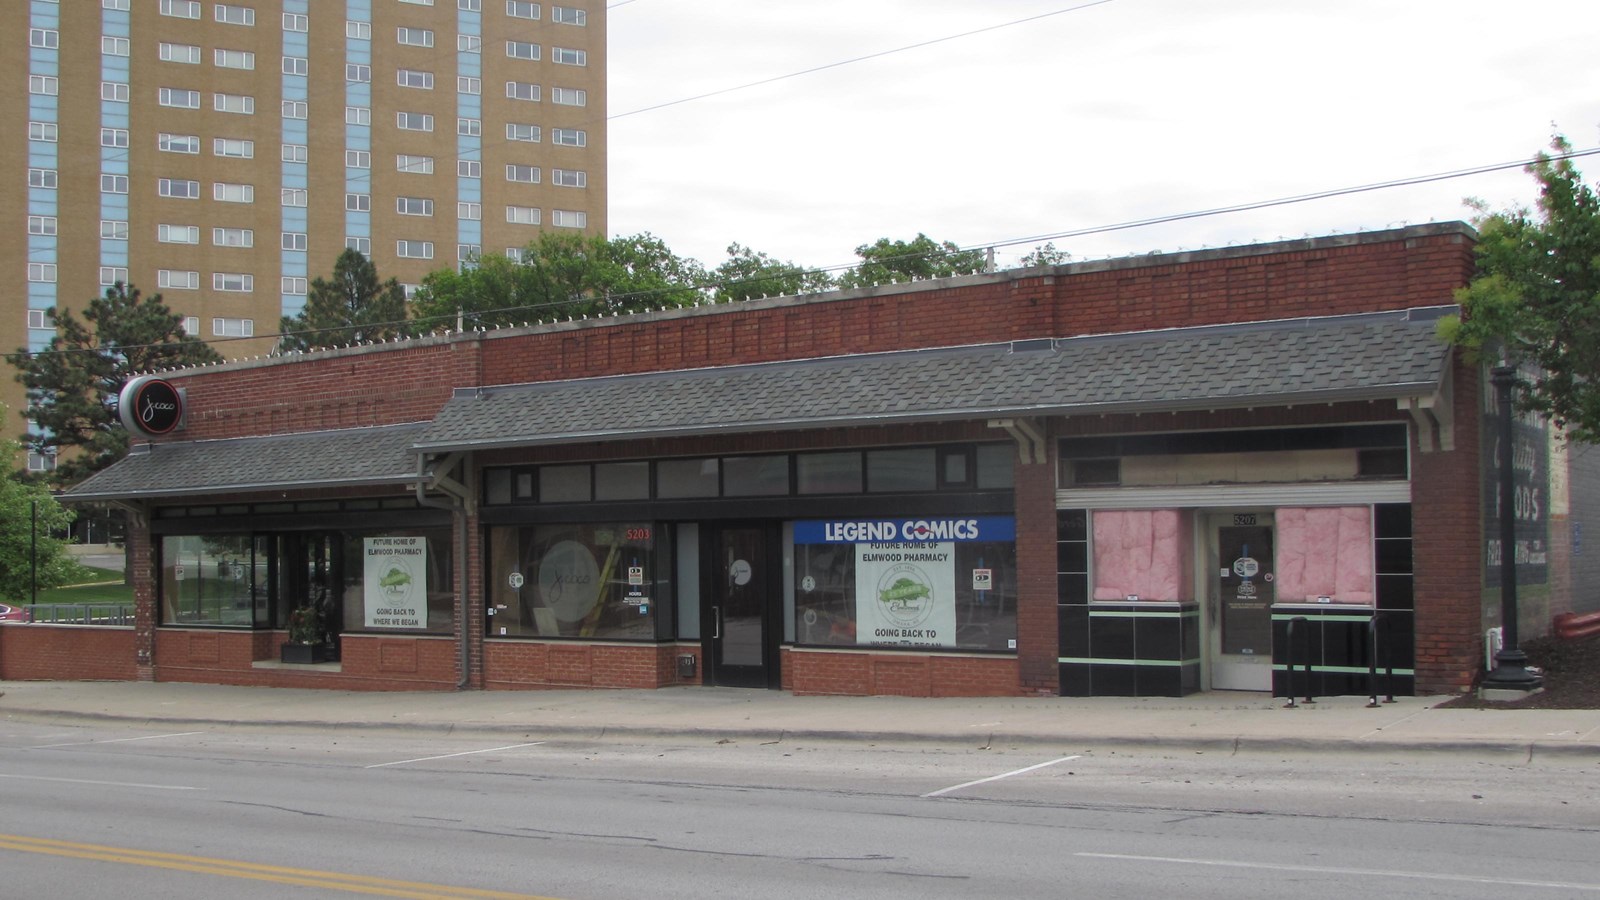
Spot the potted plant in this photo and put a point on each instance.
(307, 643)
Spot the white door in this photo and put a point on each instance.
(1239, 599)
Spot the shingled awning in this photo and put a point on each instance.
(1375, 356)
(348, 457)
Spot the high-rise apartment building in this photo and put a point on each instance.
(223, 154)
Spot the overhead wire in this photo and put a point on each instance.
(588, 120)
(1008, 242)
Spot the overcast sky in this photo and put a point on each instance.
(1114, 112)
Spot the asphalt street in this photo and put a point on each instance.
(119, 808)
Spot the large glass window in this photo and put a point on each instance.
(601, 581)
(914, 582)
(218, 580)
(395, 579)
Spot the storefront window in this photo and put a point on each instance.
(1325, 555)
(1143, 554)
(930, 583)
(398, 580)
(394, 580)
(218, 580)
(578, 581)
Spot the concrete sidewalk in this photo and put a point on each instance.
(1221, 720)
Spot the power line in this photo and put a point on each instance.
(846, 62)
(1080, 232)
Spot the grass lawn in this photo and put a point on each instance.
(93, 591)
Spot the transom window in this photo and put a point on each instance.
(955, 468)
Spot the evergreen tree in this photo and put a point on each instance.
(72, 385)
(351, 307)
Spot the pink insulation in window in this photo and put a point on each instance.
(1325, 553)
(1141, 552)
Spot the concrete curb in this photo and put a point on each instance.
(1525, 750)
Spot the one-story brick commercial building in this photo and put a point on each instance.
(1122, 477)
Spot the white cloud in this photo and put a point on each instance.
(1131, 109)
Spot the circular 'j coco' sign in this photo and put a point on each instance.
(150, 405)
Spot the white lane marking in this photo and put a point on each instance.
(132, 784)
(1333, 870)
(401, 762)
(148, 737)
(958, 787)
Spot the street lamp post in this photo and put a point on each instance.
(1510, 663)
(33, 549)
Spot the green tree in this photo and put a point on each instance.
(1046, 255)
(29, 517)
(560, 275)
(746, 274)
(918, 259)
(640, 272)
(72, 385)
(1536, 297)
(348, 308)
(493, 291)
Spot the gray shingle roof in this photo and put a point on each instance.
(353, 456)
(1358, 357)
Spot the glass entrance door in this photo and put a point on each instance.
(1240, 599)
(741, 611)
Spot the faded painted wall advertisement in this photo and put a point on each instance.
(395, 581)
(1530, 461)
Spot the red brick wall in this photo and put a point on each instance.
(381, 385)
(407, 382)
(66, 653)
(533, 664)
(1037, 590)
(860, 674)
(368, 662)
(1446, 550)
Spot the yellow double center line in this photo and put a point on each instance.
(203, 865)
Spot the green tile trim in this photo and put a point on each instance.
(1139, 614)
(1283, 617)
(1340, 670)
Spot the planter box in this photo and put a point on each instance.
(303, 654)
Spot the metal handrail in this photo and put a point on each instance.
(121, 614)
(1290, 656)
(1373, 645)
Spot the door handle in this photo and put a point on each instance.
(716, 622)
